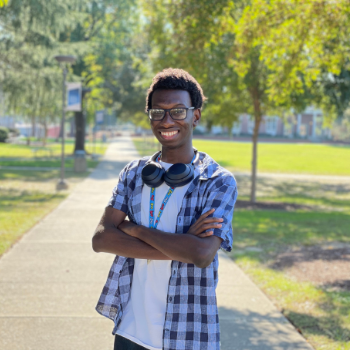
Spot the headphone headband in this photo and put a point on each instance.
(179, 174)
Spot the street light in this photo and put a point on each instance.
(62, 184)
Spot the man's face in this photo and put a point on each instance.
(169, 132)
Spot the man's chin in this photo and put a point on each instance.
(168, 143)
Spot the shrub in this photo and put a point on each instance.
(14, 131)
(4, 134)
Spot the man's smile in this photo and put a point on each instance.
(169, 135)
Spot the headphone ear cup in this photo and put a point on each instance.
(153, 174)
(179, 175)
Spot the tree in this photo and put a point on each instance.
(336, 89)
(221, 43)
(299, 45)
(113, 67)
(304, 44)
(210, 30)
(102, 19)
(29, 75)
(97, 32)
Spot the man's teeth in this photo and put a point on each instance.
(169, 133)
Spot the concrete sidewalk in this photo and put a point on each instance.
(51, 279)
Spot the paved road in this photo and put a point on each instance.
(51, 279)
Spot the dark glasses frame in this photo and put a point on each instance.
(168, 110)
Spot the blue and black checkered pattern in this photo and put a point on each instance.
(191, 320)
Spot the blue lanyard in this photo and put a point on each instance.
(171, 190)
(153, 224)
(152, 204)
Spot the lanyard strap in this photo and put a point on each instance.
(152, 203)
(171, 190)
(153, 224)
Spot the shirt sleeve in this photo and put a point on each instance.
(222, 197)
(119, 199)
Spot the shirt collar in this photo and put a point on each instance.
(207, 167)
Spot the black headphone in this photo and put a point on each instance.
(179, 174)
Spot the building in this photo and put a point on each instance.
(306, 125)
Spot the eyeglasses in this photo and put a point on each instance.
(175, 113)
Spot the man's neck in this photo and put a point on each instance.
(182, 154)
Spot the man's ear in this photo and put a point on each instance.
(197, 114)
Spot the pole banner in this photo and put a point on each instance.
(99, 117)
(73, 97)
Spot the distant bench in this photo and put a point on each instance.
(42, 149)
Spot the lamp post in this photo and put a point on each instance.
(62, 184)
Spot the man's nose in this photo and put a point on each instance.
(167, 120)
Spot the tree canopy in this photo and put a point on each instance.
(250, 56)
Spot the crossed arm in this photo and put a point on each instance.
(117, 236)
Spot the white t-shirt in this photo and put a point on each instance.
(144, 316)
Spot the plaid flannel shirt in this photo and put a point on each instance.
(191, 320)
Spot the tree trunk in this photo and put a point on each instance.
(33, 126)
(209, 125)
(80, 121)
(254, 159)
(45, 133)
(257, 121)
(79, 131)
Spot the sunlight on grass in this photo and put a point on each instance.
(54, 162)
(23, 156)
(28, 195)
(292, 158)
(296, 227)
(8, 150)
(280, 158)
(20, 210)
(323, 317)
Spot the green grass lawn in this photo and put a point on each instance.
(53, 162)
(281, 158)
(9, 151)
(305, 158)
(23, 156)
(20, 210)
(260, 236)
(322, 315)
(28, 195)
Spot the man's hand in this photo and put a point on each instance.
(204, 223)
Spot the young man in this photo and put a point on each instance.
(160, 291)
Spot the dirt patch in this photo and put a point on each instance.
(269, 205)
(327, 266)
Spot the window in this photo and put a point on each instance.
(271, 125)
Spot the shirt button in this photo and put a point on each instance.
(174, 272)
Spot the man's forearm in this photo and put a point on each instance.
(185, 248)
(114, 241)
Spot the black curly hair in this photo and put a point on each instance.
(177, 79)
